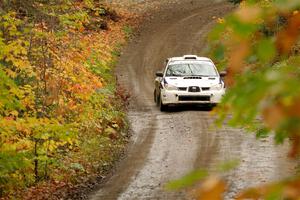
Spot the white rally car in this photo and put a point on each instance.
(188, 80)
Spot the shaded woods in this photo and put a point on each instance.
(61, 113)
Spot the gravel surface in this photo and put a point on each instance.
(165, 146)
(143, 6)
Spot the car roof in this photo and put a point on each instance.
(189, 58)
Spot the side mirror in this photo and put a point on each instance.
(223, 73)
(159, 74)
(167, 60)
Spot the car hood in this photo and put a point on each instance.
(193, 81)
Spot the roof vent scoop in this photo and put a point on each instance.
(190, 57)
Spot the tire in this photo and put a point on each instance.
(162, 106)
(211, 106)
(156, 98)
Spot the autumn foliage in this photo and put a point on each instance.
(259, 48)
(59, 106)
(258, 44)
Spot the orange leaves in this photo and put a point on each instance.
(291, 190)
(292, 108)
(289, 35)
(285, 190)
(275, 113)
(23, 129)
(237, 56)
(295, 149)
(212, 188)
(70, 80)
(256, 193)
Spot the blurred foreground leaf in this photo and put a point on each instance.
(188, 180)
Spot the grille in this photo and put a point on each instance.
(205, 88)
(194, 98)
(192, 77)
(194, 89)
(182, 88)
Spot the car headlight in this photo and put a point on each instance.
(217, 87)
(168, 86)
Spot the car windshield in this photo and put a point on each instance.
(191, 69)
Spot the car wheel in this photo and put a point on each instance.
(162, 106)
(211, 106)
(157, 99)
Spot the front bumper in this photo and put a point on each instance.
(185, 97)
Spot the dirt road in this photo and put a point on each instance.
(166, 146)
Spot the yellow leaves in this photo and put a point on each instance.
(111, 133)
(221, 20)
(23, 129)
(295, 12)
(52, 145)
(54, 87)
(28, 101)
(24, 145)
(11, 73)
(16, 53)
(70, 141)
(14, 113)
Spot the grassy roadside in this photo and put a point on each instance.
(74, 131)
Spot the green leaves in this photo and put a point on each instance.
(9, 100)
(266, 51)
(242, 29)
(188, 180)
(285, 5)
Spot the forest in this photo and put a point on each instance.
(60, 106)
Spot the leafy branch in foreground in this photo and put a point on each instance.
(258, 44)
(261, 57)
(211, 187)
